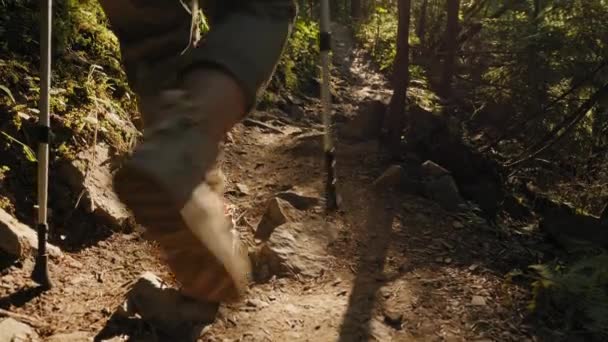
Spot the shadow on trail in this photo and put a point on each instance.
(140, 330)
(21, 297)
(370, 272)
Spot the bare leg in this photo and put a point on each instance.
(188, 103)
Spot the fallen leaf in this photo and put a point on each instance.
(242, 188)
(457, 224)
(478, 301)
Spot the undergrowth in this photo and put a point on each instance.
(89, 90)
(378, 36)
(90, 99)
(298, 65)
(574, 297)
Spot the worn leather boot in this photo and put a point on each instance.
(171, 184)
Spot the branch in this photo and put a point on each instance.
(475, 28)
(563, 128)
(23, 318)
(522, 124)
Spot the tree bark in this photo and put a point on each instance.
(396, 109)
(355, 9)
(451, 45)
(535, 71)
(474, 28)
(421, 23)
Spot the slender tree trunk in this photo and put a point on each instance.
(421, 22)
(395, 121)
(355, 9)
(451, 45)
(534, 64)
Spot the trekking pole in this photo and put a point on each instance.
(40, 274)
(328, 146)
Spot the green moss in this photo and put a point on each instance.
(66, 152)
(87, 75)
(7, 205)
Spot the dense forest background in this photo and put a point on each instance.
(510, 96)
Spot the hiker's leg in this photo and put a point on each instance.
(188, 102)
(245, 41)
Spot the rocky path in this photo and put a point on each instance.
(388, 266)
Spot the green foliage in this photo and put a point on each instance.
(378, 35)
(8, 93)
(87, 75)
(538, 69)
(298, 64)
(575, 295)
(89, 92)
(27, 151)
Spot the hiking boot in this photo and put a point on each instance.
(171, 186)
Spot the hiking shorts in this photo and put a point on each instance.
(246, 39)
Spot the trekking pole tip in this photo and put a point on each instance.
(40, 274)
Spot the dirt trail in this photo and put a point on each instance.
(402, 270)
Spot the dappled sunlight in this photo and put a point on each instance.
(469, 148)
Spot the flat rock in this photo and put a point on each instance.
(368, 122)
(478, 301)
(165, 308)
(79, 336)
(242, 188)
(307, 145)
(298, 248)
(298, 200)
(277, 213)
(392, 177)
(364, 149)
(393, 318)
(296, 112)
(20, 240)
(432, 169)
(90, 174)
(444, 191)
(14, 331)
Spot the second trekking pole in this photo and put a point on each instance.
(40, 273)
(328, 144)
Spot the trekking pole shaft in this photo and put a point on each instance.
(330, 161)
(40, 273)
(45, 79)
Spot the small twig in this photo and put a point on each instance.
(241, 216)
(27, 319)
(252, 122)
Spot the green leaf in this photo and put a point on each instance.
(27, 151)
(8, 92)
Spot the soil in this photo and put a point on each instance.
(404, 269)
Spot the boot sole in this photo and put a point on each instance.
(203, 275)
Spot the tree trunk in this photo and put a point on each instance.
(535, 71)
(451, 45)
(396, 109)
(421, 23)
(355, 9)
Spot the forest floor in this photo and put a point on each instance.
(401, 268)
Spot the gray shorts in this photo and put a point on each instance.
(246, 40)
